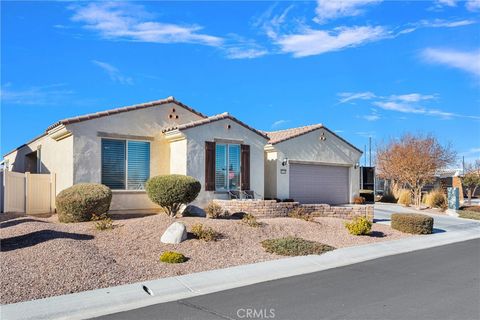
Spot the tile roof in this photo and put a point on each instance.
(211, 119)
(287, 134)
(123, 109)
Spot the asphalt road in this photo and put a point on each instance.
(437, 283)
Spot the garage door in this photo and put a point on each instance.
(319, 183)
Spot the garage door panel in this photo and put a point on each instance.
(319, 183)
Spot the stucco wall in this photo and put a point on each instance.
(271, 174)
(178, 157)
(147, 122)
(196, 138)
(56, 157)
(309, 147)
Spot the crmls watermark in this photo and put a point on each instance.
(254, 313)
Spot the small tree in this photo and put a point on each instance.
(413, 161)
(172, 191)
(471, 179)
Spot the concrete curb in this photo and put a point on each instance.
(88, 304)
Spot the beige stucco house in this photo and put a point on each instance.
(123, 147)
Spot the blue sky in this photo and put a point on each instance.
(362, 68)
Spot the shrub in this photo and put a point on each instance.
(172, 191)
(470, 208)
(214, 210)
(103, 222)
(359, 200)
(250, 220)
(412, 223)
(388, 198)
(300, 213)
(436, 199)
(405, 197)
(79, 202)
(205, 233)
(466, 214)
(368, 195)
(292, 246)
(359, 226)
(172, 257)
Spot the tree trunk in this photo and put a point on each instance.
(469, 193)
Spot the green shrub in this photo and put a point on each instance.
(292, 246)
(405, 197)
(359, 200)
(172, 191)
(412, 223)
(103, 222)
(300, 213)
(436, 199)
(359, 226)
(205, 233)
(250, 220)
(368, 195)
(172, 257)
(79, 202)
(388, 198)
(214, 210)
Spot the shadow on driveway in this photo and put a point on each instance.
(34, 238)
(12, 223)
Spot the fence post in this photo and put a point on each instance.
(27, 192)
(53, 191)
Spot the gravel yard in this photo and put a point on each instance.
(41, 258)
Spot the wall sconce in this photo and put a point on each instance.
(322, 136)
(285, 161)
(356, 165)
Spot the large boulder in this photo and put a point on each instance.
(175, 233)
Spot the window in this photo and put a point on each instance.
(227, 167)
(125, 164)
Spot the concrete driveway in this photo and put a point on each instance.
(442, 223)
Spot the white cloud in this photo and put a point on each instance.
(113, 72)
(349, 96)
(124, 21)
(473, 5)
(36, 95)
(278, 123)
(328, 9)
(371, 117)
(449, 3)
(313, 42)
(468, 61)
(439, 23)
(412, 97)
(238, 47)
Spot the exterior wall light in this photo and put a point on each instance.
(356, 165)
(285, 161)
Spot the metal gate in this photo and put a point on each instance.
(28, 193)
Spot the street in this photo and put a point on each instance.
(438, 283)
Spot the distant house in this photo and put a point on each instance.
(123, 147)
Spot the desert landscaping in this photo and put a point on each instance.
(41, 257)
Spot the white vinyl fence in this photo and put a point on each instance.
(28, 193)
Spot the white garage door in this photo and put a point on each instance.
(319, 183)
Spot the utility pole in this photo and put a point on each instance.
(463, 164)
(370, 149)
(365, 155)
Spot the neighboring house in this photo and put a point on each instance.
(311, 164)
(123, 147)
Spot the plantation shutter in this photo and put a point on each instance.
(138, 164)
(245, 166)
(209, 166)
(113, 163)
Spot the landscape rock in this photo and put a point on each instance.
(175, 233)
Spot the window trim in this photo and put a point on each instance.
(126, 161)
(227, 158)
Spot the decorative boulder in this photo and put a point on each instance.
(175, 233)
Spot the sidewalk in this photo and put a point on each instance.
(99, 302)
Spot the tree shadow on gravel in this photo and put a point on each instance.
(377, 234)
(12, 223)
(37, 237)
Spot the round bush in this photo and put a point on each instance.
(214, 210)
(172, 257)
(79, 202)
(412, 223)
(359, 226)
(436, 199)
(171, 191)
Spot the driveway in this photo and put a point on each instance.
(437, 283)
(442, 223)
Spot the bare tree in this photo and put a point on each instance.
(471, 179)
(413, 161)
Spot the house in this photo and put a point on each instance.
(123, 147)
